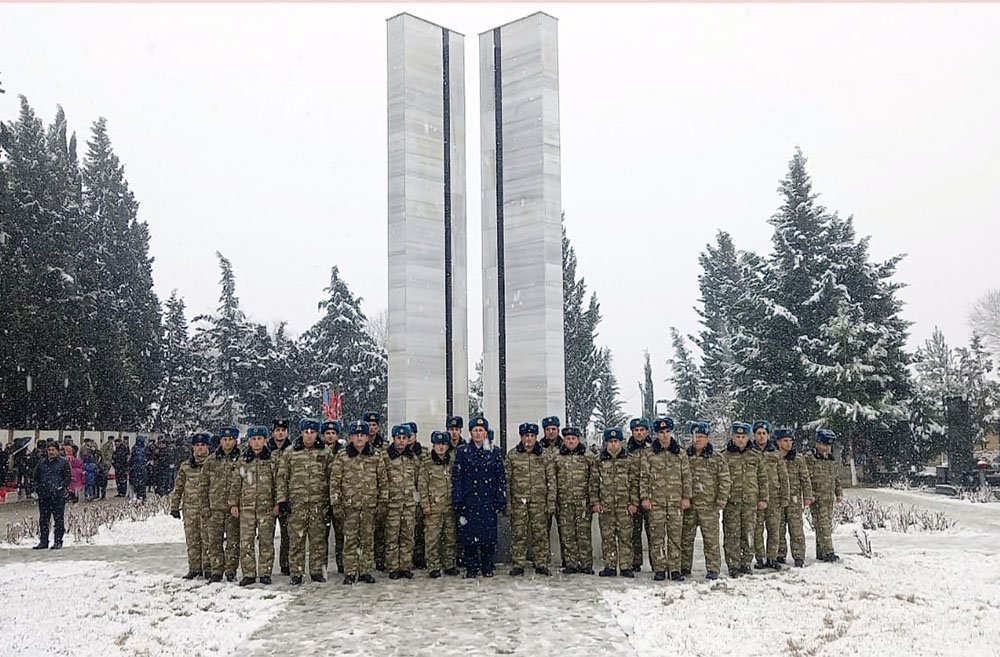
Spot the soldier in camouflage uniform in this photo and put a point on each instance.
(616, 500)
(252, 499)
(766, 553)
(191, 493)
(357, 489)
(330, 430)
(800, 493)
(402, 467)
(224, 528)
(637, 444)
(531, 500)
(303, 492)
(665, 492)
(574, 506)
(277, 445)
(454, 424)
(378, 443)
(551, 441)
(440, 529)
(710, 491)
(419, 560)
(823, 469)
(748, 495)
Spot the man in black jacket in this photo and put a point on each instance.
(119, 459)
(52, 479)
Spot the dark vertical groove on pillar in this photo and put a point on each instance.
(501, 282)
(448, 282)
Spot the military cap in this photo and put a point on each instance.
(202, 438)
(571, 431)
(229, 432)
(331, 425)
(762, 424)
(280, 423)
(307, 424)
(358, 427)
(440, 437)
(701, 427)
(638, 422)
(613, 433)
(371, 417)
(527, 427)
(413, 426)
(479, 422)
(826, 436)
(550, 421)
(740, 428)
(455, 421)
(401, 430)
(256, 431)
(783, 432)
(663, 424)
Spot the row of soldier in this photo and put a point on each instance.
(391, 504)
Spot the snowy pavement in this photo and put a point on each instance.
(923, 594)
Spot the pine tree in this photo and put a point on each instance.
(720, 285)
(608, 406)
(685, 379)
(648, 395)
(176, 410)
(580, 320)
(476, 390)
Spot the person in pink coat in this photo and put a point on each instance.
(79, 479)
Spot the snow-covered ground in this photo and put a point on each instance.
(922, 594)
(157, 529)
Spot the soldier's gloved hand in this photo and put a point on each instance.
(176, 513)
(284, 508)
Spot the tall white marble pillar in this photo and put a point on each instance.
(523, 368)
(427, 327)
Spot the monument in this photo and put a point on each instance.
(427, 318)
(523, 361)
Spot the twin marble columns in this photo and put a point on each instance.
(523, 368)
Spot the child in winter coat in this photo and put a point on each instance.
(90, 472)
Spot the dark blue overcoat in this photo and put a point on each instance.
(479, 492)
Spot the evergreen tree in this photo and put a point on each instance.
(648, 396)
(580, 319)
(176, 410)
(476, 391)
(720, 285)
(608, 406)
(685, 379)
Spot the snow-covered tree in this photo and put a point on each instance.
(581, 315)
(685, 379)
(476, 390)
(176, 410)
(608, 405)
(648, 395)
(984, 318)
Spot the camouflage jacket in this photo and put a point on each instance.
(435, 482)
(358, 480)
(402, 469)
(799, 481)
(551, 447)
(747, 475)
(531, 477)
(616, 480)
(573, 475)
(710, 481)
(191, 486)
(304, 475)
(823, 471)
(777, 476)
(221, 474)
(254, 484)
(665, 474)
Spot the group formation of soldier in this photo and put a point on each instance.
(392, 504)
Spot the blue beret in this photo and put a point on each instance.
(256, 431)
(571, 431)
(550, 421)
(371, 417)
(202, 438)
(613, 433)
(358, 427)
(331, 425)
(229, 432)
(280, 423)
(307, 423)
(527, 427)
(455, 422)
(440, 437)
(663, 424)
(479, 422)
(413, 426)
(783, 432)
(701, 427)
(826, 436)
(638, 422)
(401, 430)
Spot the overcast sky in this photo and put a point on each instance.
(260, 131)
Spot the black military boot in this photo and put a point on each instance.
(829, 557)
(471, 573)
(192, 574)
(760, 564)
(246, 581)
(607, 572)
(685, 571)
(295, 580)
(516, 571)
(799, 562)
(58, 546)
(42, 546)
(675, 576)
(406, 574)
(394, 574)
(659, 576)
(570, 570)
(452, 572)
(543, 570)
(586, 570)
(745, 570)
(772, 564)
(349, 579)
(712, 575)
(434, 574)
(637, 567)
(230, 577)
(734, 573)
(266, 580)
(317, 577)
(215, 579)
(625, 572)
(780, 560)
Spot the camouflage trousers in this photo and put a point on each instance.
(440, 540)
(419, 551)
(769, 519)
(822, 513)
(359, 541)
(616, 538)
(738, 522)
(575, 526)
(225, 545)
(554, 520)
(257, 541)
(400, 522)
(378, 532)
(197, 537)
(335, 526)
(283, 548)
(791, 524)
(641, 521)
(705, 518)
(307, 528)
(529, 527)
(665, 527)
